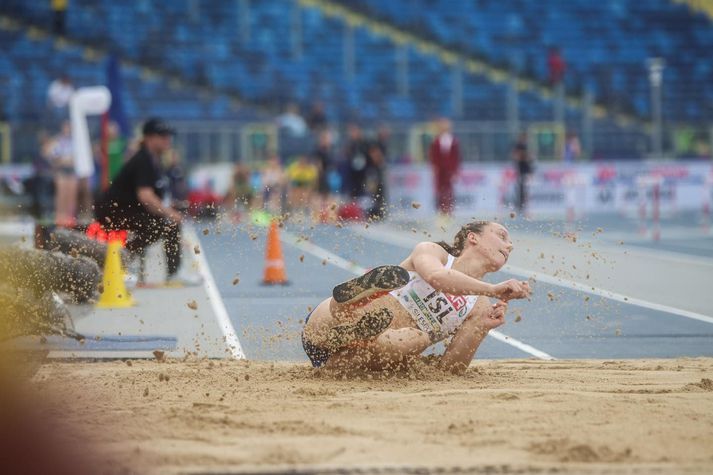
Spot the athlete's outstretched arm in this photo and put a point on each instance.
(427, 260)
(483, 318)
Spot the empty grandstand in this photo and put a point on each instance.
(484, 61)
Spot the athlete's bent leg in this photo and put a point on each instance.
(390, 350)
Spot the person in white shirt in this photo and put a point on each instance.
(61, 157)
(59, 92)
(292, 121)
(387, 317)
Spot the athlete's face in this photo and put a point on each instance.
(493, 244)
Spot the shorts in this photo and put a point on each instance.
(317, 356)
(65, 171)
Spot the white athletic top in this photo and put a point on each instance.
(436, 313)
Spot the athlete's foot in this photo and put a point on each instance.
(370, 325)
(378, 280)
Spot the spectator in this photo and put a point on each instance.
(378, 158)
(43, 186)
(302, 174)
(240, 195)
(135, 202)
(292, 122)
(325, 167)
(59, 93)
(177, 181)
(317, 119)
(572, 148)
(523, 168)
(59, 13)
(556, 65)
(444, 155)
(116, 149)
(273, 185)
(61, 155)
(356, 153)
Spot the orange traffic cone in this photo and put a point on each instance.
(274, 262)
(114, 293)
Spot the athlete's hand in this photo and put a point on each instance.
(495, 316)
(512, 289)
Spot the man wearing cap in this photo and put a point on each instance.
(135, 201)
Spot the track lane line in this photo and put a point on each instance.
(356, 269)
(216, 301)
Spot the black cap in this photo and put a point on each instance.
(156, 126)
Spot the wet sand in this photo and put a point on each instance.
(523, 416)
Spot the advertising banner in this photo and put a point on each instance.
(602, 187)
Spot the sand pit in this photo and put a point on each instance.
(516, 416)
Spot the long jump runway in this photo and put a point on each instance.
(559, 321)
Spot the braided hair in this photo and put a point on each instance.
(476, 227)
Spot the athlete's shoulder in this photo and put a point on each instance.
(430, 248)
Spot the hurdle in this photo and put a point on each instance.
(574, 195)
(649, 196)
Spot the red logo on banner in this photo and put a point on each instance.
(606, 173)
(673, 171)
(471, 177)
(555, 175)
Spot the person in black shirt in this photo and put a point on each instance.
(135, 201)
(378, 150)
(323, 158)
(357, 155)
(523, 165)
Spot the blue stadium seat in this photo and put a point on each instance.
(619, 35)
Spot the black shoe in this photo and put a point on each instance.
(370, 325)
(379, 279)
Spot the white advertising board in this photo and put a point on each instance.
(600, 187)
